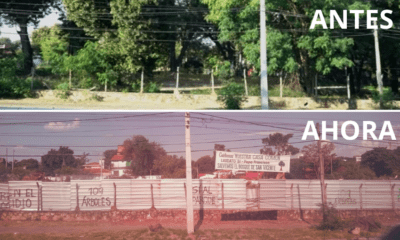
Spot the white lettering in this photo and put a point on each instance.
(314, 133)
(318, 13)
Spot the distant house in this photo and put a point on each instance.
(119, 164)
(96, 168)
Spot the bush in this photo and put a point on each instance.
(63, 90)
(232, 96)
(387, 99)
(332, 220)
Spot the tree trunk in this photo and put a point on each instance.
(26, 47)
(394, 83)
(172, 57)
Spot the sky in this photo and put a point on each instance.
(31, 134)
(11, 31)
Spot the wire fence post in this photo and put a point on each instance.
(259, 196)
(245, 82)
(142, 81)
(316, 85)
(392, 193)
(115, 196)
(212, 81)
(222, 193)
(40, 200)
(348, 86)
(184, 186)
(291, 197)
(177, 81)
(152, 198)
(77, 198)
(360, 191)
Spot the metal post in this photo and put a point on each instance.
(392, 193)
(316, 85)
(259, 197)
(263, 54)
(115, 196)
(142, 81)
(281, 85)
(38, 206)
(360, 191)
(189, 193)
(222, 196)
(245, 82)
(77, 198)
(348, 86)
(177, 81)
(291, 197)
(152, 198)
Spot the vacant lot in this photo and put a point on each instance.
(140, 230)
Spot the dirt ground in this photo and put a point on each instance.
(68, 227)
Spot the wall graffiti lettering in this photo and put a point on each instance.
(204, 196)
(344, 198)
(96, 201)
(18, 198)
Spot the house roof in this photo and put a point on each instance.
(118, 158)
(92, 164)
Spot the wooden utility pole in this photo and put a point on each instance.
(378, 64)
(322, 172)
(263, 54)
(189, 194)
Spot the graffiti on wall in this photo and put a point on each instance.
(203, 195)
(95, 198)
(17, 198)
(344, 198)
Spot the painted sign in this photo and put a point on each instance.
(252, 162)
(206, 195)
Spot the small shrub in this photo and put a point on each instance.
(387, 99)
(332, 220)
(232, 96)
(63, 90)
(152, 87)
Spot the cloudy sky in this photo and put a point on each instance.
(33, 134)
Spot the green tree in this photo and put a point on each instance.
(108, 154)
(30, 164)
(311, 156)
(205, 164)
(280, 143)
(142, 153)
(170, 166)
(22, 15)
(56, 159)
(382, 161)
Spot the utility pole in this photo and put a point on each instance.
(189, 193)
(378, 64)
(263, 55)
(322, 173)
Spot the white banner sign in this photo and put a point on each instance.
(252, 162)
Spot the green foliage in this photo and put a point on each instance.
(142, 153)
(280, 143)
(382, 161)
(331, 220)
(56, 159)
(12, 86)
(30, 164)
(232, 96)
(170, 166)
(63, 90)
(387, 98)
(205, 164)
(20, 172)
(108, 154)
(352, 170)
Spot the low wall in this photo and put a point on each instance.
(180, 215)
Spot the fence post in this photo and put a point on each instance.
(245, 82)
(316, 85)
(142, 81)
(222, 193)
(392, 193)
(38, 205)
(291, 197)
(298, 191)
(115, 196)
(259, 196)
(152, 198)
(348, 86)
(77, 198)
(177, 81)
(281, 85)
(360, 191)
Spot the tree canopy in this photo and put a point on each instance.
(63, 157)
